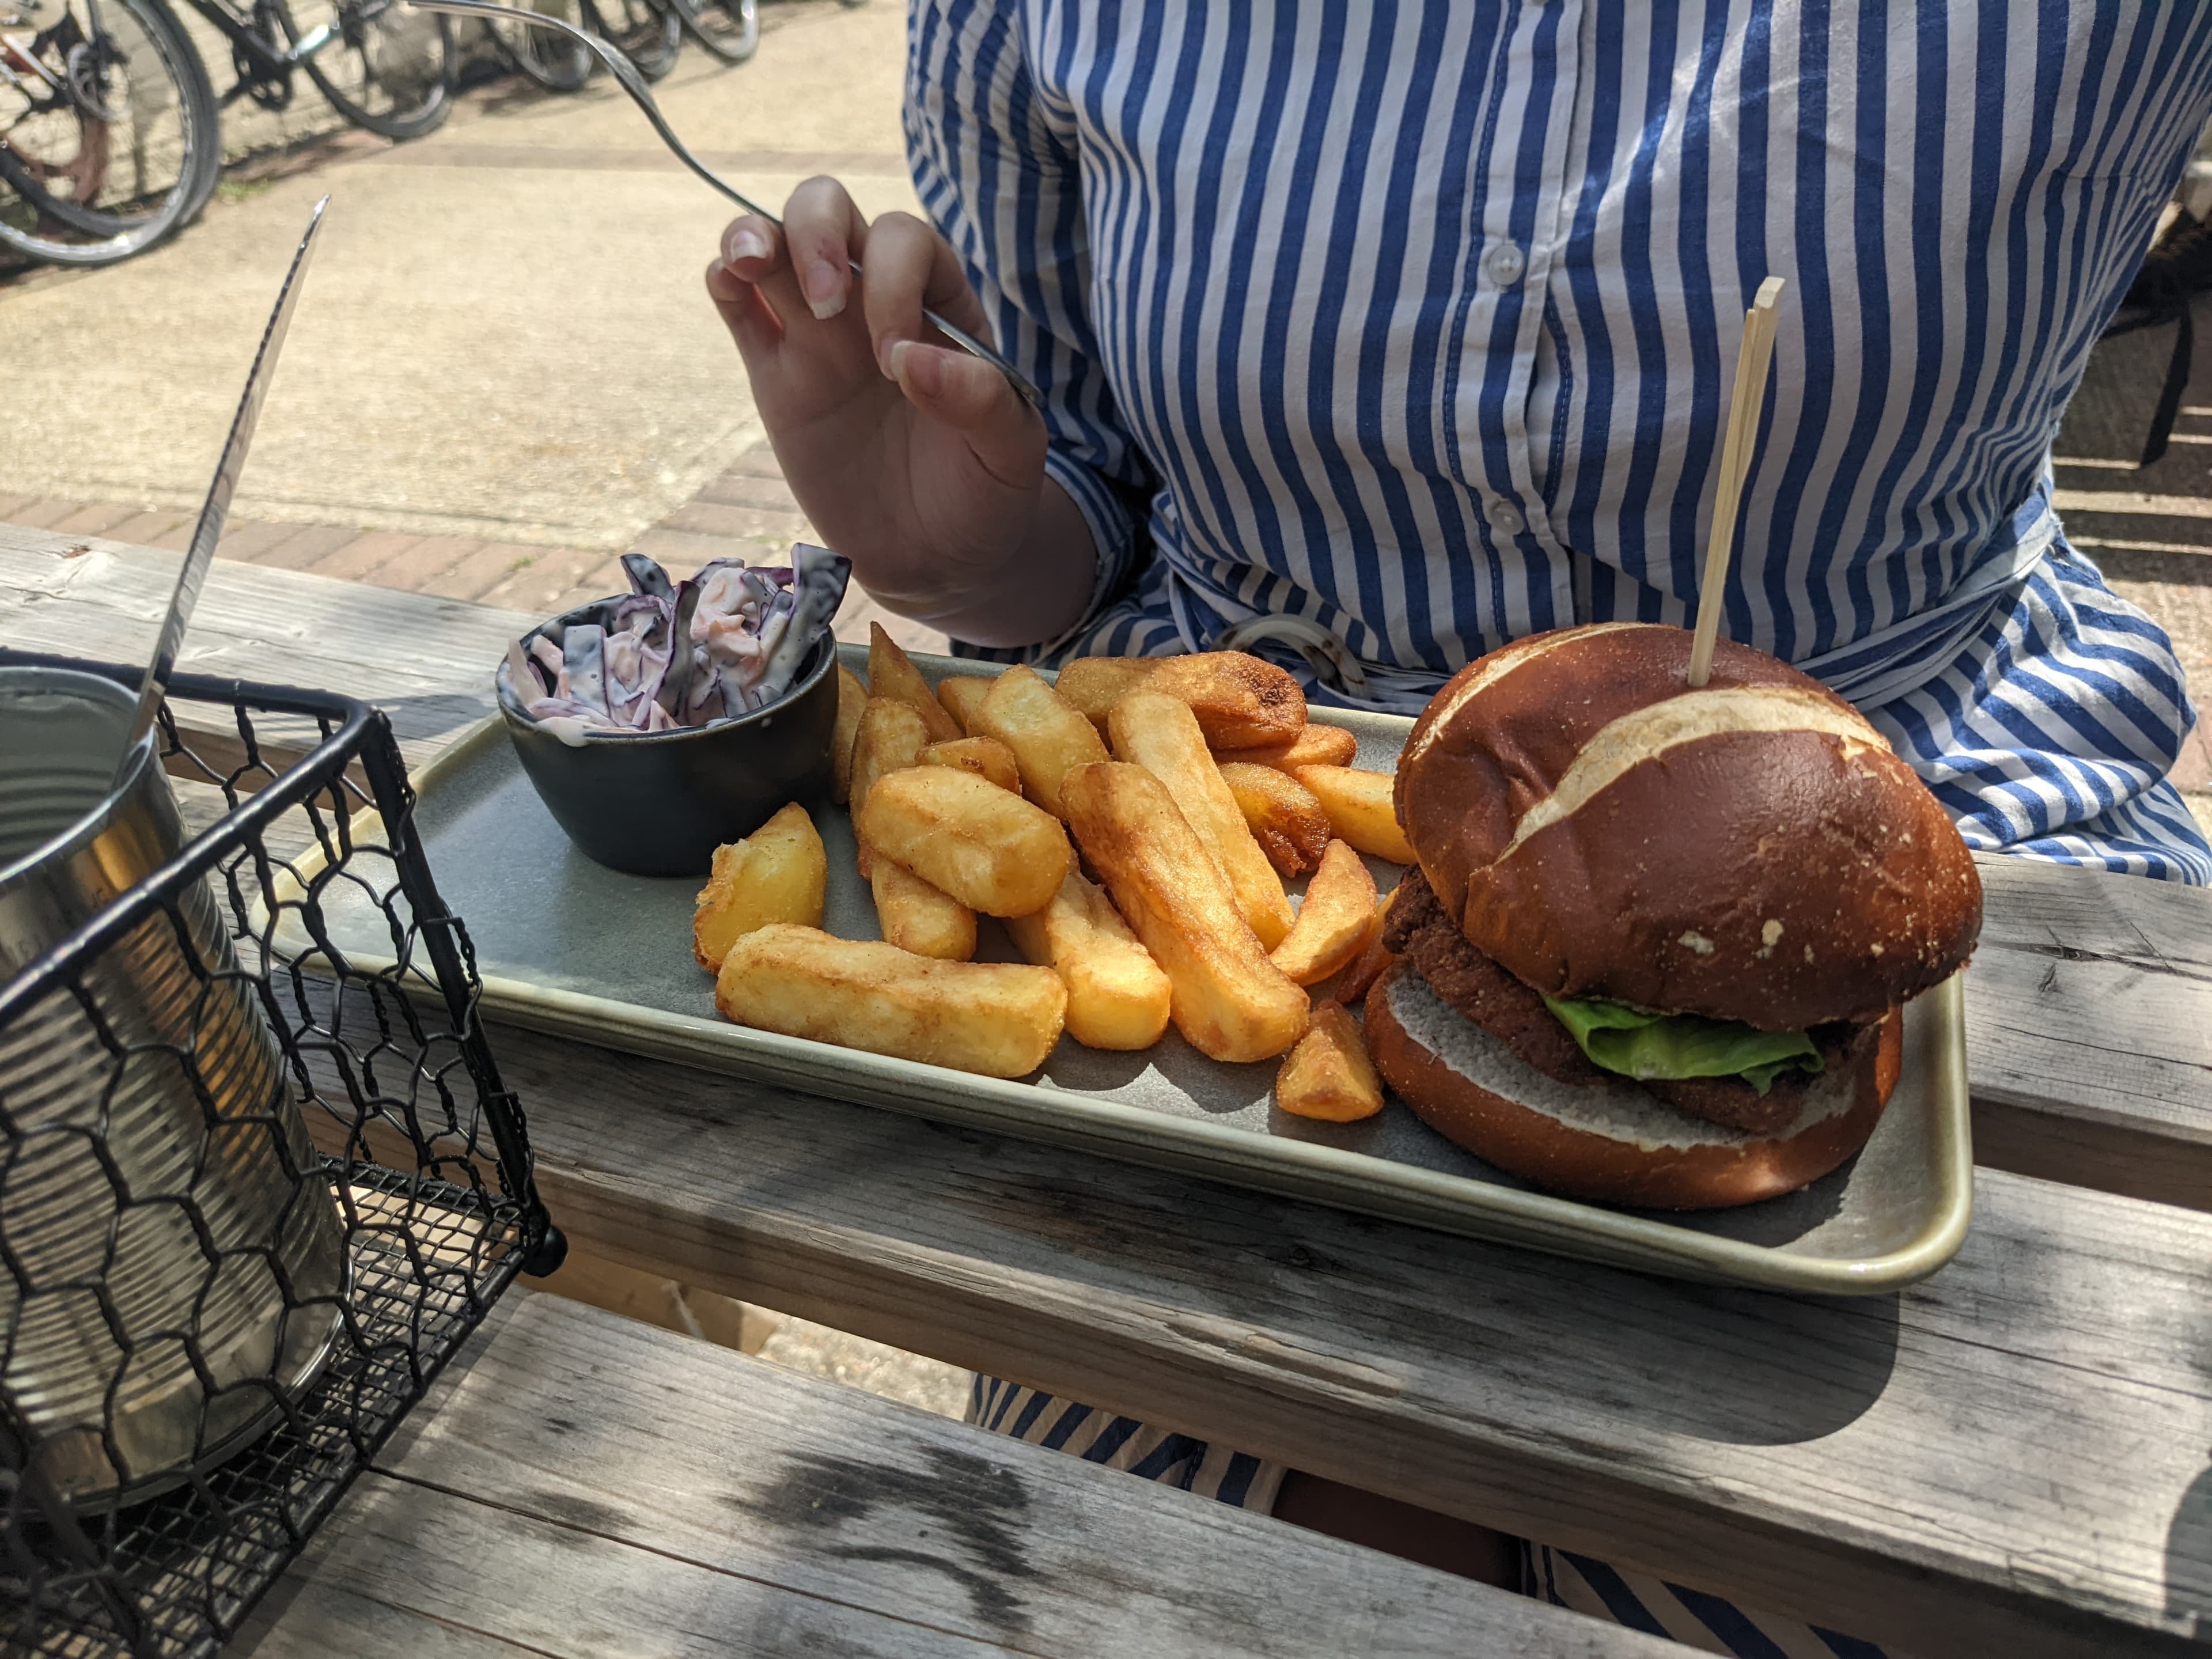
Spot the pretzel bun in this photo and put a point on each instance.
(1611, 1143)
(1750, 850)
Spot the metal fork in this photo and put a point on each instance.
(632, 82)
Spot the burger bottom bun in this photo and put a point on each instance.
(1611, 1143)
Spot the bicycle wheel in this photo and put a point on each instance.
(551, 59)
(728, 28)
(648, 31)
(109, 138)
(383, 64)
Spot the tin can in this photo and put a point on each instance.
(171, 1262)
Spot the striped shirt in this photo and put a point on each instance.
(1375, 334)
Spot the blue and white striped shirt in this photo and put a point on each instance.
(1417, 321)
(1414, 319)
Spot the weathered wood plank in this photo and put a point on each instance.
(428, 662)
(2089, 1032)
(2012, 1457)
(581, 1484)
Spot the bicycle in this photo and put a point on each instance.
(650, 33)
(382, 64)
(109, 134)
(552, 60)
(647, 32)
(728, 28)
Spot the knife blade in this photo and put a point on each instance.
(209, 530)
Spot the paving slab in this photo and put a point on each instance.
(144, 526)
(505, 337)
(534, 584)
(307, 547)
(478, 572)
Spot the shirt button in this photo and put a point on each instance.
(1505, 262)
(1505, 518)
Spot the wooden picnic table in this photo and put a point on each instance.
(2014, 1457)
(578, 1484)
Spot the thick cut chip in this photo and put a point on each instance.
(999, 1019)
(990, 849)
(962, 696)
(1161, 734)
(1334, 918)
(1328, 1075)
(852, 698)
(891, 673)
(779, 873)
(1350, 987)
(920, 918)
(1360, 809)
(1318, 745)
(1283, 815)
(1226, 997)
(1117, 997)
(1239, 700)
(1043, 728)
(986, 758)
(891, 737)
(1094, 685)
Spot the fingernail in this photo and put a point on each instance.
(887, 354)
(745, 243)
(924, 374)
(825, 294)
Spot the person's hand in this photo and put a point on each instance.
(915, 459)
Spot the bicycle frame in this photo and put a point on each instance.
(45, 93)
(114, 192)
(243, 29)
(15, 54)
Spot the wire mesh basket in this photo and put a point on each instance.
(252, 1196)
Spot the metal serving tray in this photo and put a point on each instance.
(567, 946)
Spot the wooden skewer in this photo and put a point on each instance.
(1751, 364)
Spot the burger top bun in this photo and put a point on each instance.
(1750, 850)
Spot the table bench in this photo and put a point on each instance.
(2013, 1457)
(579, 1486)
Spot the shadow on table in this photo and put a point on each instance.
(1722, 1363)
(438, 714)
(2188, 1557)
(1322, 1292)
(1821, 1363)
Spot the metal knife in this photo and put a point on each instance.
(209, 530)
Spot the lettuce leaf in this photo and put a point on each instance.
(1641, 1045)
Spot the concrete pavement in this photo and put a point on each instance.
(504, 371)
(505, 335)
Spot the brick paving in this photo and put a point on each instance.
(748, 513)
